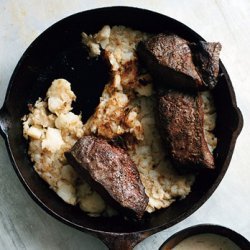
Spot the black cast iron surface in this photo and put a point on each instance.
(58, 53)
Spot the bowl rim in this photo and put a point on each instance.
(198, 229)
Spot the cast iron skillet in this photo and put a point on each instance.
(178, 237)
(57, 53)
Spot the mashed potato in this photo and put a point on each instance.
(53, 129)
(126, 109)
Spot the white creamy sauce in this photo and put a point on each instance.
(206, 242)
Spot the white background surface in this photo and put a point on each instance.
(24, 225)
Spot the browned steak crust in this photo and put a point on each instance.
(110, 171)
(181, 124)
(206, 59)
(182, 65)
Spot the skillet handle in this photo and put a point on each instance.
(3, 122)
(121, 241)
(237, 123)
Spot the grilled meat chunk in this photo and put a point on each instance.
(181, 120)
(206, 59)
(111, 172)
(179, 64)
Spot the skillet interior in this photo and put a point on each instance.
(58, 53)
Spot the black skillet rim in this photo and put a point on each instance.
(153, 229)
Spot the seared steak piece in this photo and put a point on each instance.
(110, 171)
(182, 65)
(206, 58)
(181, 125)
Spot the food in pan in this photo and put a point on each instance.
(183, 69)
(126, 113)
(181, 124)
(127, 109)
(52, 129)
(175, 62)
(111, 172)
